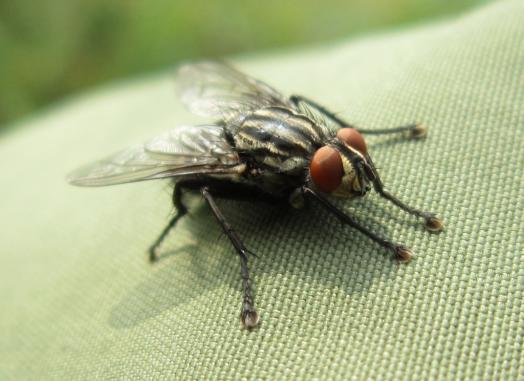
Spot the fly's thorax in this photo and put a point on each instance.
(276, 144)
(277, 132)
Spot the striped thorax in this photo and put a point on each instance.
(279, 139)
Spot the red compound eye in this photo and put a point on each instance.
(326, 169)
(353, 138)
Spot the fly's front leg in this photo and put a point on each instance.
(248, 314)
(181, 210)
(431, 221)
(401, 252)
(414, 130)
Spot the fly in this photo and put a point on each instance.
(263, 145)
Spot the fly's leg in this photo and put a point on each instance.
(414, 130)
(401, 252)
(431, 221)
(248, 314)
(181, 210)
(297, 99)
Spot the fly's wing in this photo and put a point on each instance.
(218, 90)
(182, 151)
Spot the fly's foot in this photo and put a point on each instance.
(153, 256)
(433, 223)
(402, 253)
(419, 131)
(249, 316)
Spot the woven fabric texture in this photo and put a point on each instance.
(79, 300)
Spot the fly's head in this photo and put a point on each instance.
(342, 167)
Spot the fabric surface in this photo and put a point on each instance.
(79, 300)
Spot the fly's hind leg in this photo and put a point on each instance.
(400, 252)
(248, 314)
(181, 210)
(414, 130)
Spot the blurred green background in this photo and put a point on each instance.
(52, 48)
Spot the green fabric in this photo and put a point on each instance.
(80, 301)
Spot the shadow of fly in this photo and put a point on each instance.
(263, 146)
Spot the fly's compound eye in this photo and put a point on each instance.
(353, 138)
(326, 169)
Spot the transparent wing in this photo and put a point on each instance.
(216, 89)
(182, 151)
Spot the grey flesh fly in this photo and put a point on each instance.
(262, 146)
